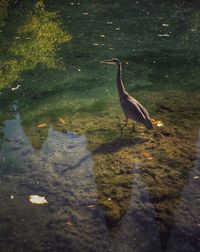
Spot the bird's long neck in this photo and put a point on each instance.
(120, 85)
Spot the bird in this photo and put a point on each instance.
(132, 108)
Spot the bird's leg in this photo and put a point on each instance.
(126, 122)
(133, 128)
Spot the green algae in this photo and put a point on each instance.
(39, 39)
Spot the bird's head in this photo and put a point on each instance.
(112, 61)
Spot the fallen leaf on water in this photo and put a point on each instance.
(147, 155)
(36, 199)
(42, 125)
(68, 223)
(61, 120)
(91, 206)
(157, 123)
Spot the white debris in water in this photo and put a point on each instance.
(36, 199)
(163, 35)
(12, 197)
(15, 88)
(165, 25)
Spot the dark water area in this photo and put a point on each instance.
(60, 122)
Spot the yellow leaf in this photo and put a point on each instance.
(61, 120)
(157, 123)
(42, 125)
(147, 155)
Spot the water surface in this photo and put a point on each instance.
(60, 126)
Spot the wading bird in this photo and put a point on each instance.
(131, 107)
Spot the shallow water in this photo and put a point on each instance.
(60, 126)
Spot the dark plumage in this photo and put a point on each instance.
(131, 107)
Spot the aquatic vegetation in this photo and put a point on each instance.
(3, 9)
(60, 128)
(36, 42)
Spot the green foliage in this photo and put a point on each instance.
(37, 42)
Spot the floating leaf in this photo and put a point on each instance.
(36, 199)
(68, 223)
(42, 125)
(147, 155)
(91, 206)
(61, 120)
(157, 123)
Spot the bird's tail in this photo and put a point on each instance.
(148, 124)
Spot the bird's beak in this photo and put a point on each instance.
(107, 62)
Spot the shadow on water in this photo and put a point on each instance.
(128, 190)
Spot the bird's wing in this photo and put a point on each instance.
(142, 108)
(134, 109)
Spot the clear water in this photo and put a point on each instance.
(60, 126)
